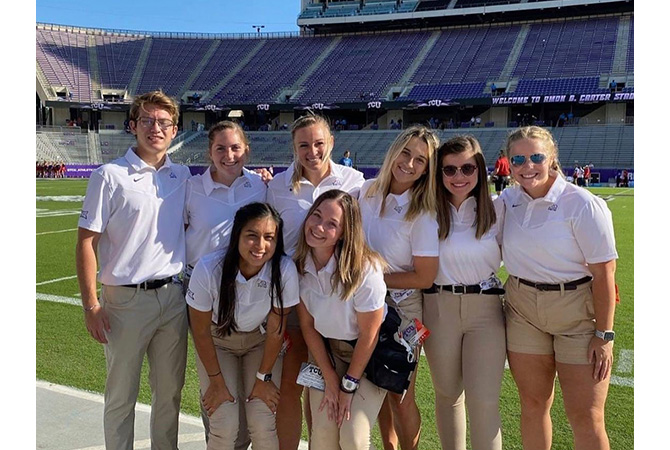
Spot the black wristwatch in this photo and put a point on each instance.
(607, 335)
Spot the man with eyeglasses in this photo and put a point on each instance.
(131, 224)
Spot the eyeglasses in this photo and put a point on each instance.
(465, 169)
(535, 158)
(148, 122)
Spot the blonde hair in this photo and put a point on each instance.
(539, 134)
(423, 191)
(304, 122)
(157, 98)
(352, 251)
(486, 214)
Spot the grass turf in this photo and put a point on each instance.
(67, 355)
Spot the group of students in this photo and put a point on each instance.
(306, 269)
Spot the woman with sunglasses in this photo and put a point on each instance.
(559, 250)
(238, 302)
(342, 294)
(463, 310)
(398, 210)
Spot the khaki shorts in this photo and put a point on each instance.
(550, 322)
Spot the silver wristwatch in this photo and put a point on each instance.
(607, 335)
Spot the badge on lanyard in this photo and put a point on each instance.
(415, 333)
(398, 295)
(310, 376)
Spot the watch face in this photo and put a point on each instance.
(268, 377)
(608, 336)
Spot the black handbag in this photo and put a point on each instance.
(391, 365)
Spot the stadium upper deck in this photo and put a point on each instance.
(470, 58)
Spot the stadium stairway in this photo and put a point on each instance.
(198, 69)
(224, 81)
(139, 67)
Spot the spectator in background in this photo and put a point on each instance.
(346, 160)
(400, 124)
(478, 121)
(578, 175)
(494, 89)
(472, 121)
(561, 120)
(392, 125)
(613, 86)
(587, 175)
(501, 171)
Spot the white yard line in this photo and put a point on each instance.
(54, 232)
(55, 280)
(625, 364)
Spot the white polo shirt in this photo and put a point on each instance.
(293, 206)
(139, 212)
(553, 238)
(253, 296)
(211, 207)
(464, 259)
(389, 234)
(333, 317)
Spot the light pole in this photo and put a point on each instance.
(258, 28)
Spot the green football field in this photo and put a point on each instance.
(65, 354)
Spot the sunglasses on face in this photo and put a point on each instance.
(535, 158)
(465, 169)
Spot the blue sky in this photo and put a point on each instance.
(198, 16)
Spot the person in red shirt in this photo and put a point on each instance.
(500, 174)
(587, 175)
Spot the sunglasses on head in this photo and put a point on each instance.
(465, 169)
(535, 158)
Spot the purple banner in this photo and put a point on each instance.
(572, 98)
(79, 170)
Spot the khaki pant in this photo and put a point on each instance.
(243, 441)
(466, 355)
(240, 353)
(355, 432)
(152, 322)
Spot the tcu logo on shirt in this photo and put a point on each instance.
(398, 209)
(84, 215)
(172, 175)
(337, 183)
(262, 284)
(553, 207)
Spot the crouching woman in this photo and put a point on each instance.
(342, 294)
(238, 302)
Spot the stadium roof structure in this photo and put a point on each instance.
(328, 16)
